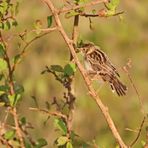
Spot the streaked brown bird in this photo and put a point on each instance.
(98, 65)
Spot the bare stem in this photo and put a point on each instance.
(5, 142)
(58, 114)
(92, 92)
(138, 135)
(92, 3)
(22, 53)
(17, 126)
(125, 68)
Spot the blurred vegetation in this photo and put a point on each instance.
(121, 38)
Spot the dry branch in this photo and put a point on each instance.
(92, 92)
(92, 3)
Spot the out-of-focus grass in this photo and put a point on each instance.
(119, 39)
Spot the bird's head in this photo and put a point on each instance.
(87, 48)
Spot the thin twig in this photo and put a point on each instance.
(138, 135)
(43, 30)
(97, 15)
(17, 126)
(28, 136)
(22, 53)
(5, 142)
(125, 68)
(57, 114)
(92, 92)
(92, 3)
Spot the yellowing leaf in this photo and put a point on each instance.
(3, 65)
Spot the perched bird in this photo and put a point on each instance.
(98, 66)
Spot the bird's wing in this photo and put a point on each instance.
(106, 62)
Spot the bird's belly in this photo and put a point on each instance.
(88, 66)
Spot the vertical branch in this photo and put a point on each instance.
(92, 92)
(17, 126)
(75, 29)
(6, 58)
(12, 92)
(75, 33)
(71, 89)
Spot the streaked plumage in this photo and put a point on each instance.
(99, 65)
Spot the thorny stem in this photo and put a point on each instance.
(5, 142)
(12, 92)
(70, 99)
(17, 126)
(6, 58)
(71, 89)
(92, 92)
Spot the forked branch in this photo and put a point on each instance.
(92, 92)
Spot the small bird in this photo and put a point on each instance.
(98, 66)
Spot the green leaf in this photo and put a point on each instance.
(38, 25)
(73, 135)
(27, 145)
(113, 4)
(1, 76)
(5, 6)
(2, 25)
(17, 59)
(35, 101)
(14, 23)
(2, 50)
(62, 140)
(4, 98)
(57, 68)
(1, 10)
(110, 13)
(94, 11)
(4, 88)
(23, 120)
(3, 65)
(9, 134)
(16, 8)
(41, 142)
(143, 143)
(47, 105)
(7, 25)
(81, 1)
(18, 88)
(69, 69)
(59, 123)
(49, 21)
(13, 99)
(71, 14)
(69, 145)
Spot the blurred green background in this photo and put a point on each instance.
(121, 40)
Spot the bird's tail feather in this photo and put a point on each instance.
(117, 86)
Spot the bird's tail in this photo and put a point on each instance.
(117, 86)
